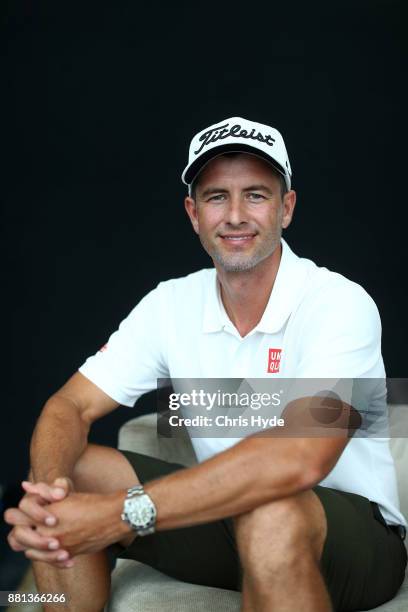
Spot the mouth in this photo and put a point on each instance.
(237, 238)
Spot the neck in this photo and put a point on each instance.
(246, 294)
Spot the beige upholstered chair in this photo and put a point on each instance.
(139, 588)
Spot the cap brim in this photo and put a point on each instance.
(192, 171)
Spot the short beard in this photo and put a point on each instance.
(229, 265)
(240, 263)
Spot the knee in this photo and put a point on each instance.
(277, 525)
(86, 468)
(102, 469)
(281, 533)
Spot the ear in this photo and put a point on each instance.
(191, 209)
(289, 202)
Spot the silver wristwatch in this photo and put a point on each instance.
(139, 511)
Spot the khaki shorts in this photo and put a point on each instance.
(363, 561)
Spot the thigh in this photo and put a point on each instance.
(201, 554)
(363, 561)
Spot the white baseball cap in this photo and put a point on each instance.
(241, 136)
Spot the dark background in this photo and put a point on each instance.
(101, 105)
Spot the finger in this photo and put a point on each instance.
(30, 538)
(32, 506)
(47, 492)
(13, 516)
(59, 558)
(14, 545)
(65, 483)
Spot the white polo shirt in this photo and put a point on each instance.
(317, 324)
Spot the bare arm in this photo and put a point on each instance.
(259, 469)
(255, 471)
(58, 441)
(61, 433)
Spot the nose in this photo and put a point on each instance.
(236, 211)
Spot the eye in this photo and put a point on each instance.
(255, 197)
(219, 197)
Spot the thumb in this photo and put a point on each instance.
(63, 486)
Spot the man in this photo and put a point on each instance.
(292, 521)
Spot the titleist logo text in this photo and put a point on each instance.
(221, 132)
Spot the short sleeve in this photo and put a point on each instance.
(339, 350)
(341, 335)
(135, 355)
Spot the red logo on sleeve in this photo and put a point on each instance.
(274, 358)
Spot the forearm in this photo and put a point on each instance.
(252, 473)
(59, 439)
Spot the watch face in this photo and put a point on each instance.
(140, 511)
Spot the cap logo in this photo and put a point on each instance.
(220, 132)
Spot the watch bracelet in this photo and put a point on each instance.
(134, 492)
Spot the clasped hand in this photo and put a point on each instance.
(53, 523)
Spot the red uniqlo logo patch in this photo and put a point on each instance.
(274, 358)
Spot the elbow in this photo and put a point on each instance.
(64, 411)
(310, 476)
(294, 466)
(302, 476)
(316, 469)
(306, 472)
(299, 474)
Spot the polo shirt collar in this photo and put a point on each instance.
(215, 318)
(286, 291)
